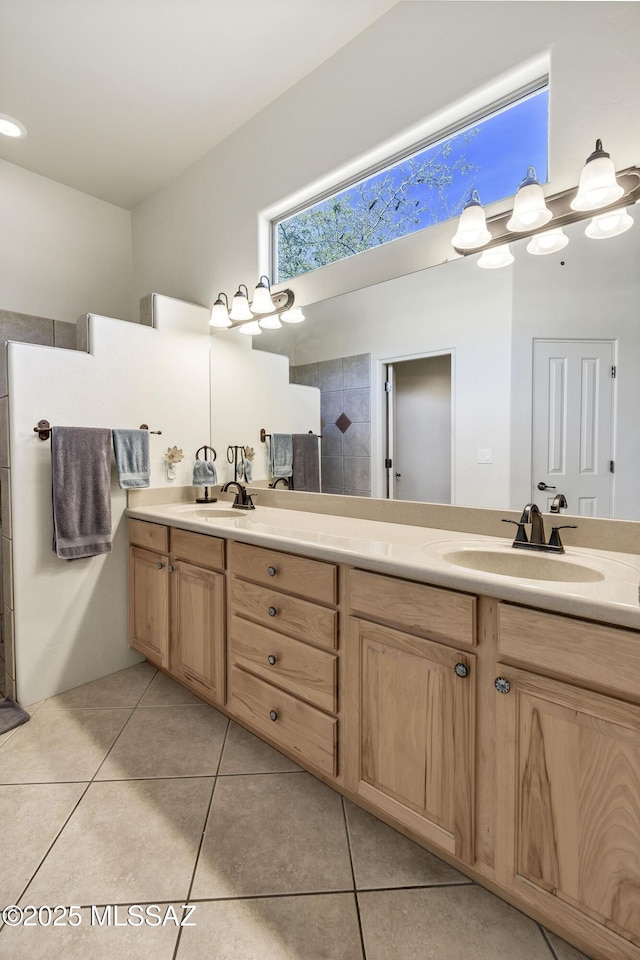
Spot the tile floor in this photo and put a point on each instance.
(130, 790)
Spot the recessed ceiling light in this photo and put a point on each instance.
(11, 127)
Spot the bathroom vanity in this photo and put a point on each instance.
(493, 719)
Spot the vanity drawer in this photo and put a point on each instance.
(313, 579)
(197, 548)
(300, 729)
(300, 618)
(441, 614)
(152, 536)
(589, 653)
(299, 668)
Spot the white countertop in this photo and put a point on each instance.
(420, 553)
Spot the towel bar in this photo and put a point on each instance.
(44, 429)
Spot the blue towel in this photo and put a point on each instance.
(204, 474)
(248, 469)
(131, 448)
(281, 455)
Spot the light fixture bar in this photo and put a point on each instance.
(562, 214)
(282, 300)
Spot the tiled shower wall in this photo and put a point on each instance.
(345, 404)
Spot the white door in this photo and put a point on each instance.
(572, 424)
(390, 394)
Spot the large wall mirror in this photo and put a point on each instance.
(501, 380)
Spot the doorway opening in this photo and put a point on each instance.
(419, 427)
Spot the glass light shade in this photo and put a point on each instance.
(262, 302)
(295, 315)
(270, 323)
(607, 225)
(472, 226)
(548, 242)
(240, 305)
(11, 127)
(598, 186)
(250, 329)
(496, 257)
(530, 210)
(219, 314)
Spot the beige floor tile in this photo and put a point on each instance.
(279, 928)
(127, 842)
(564, 950)
(244, 753)
(167, 742)
(89, 940)
(164, 692)
(59, 745)
(447, 923)
(382, 857)
(32, 815)
(279, 833)
(121, 689)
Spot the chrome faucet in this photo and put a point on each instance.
(243, 500)
(537, 539)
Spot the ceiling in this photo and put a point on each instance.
(121, 96)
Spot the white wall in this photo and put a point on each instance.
(250, 390)
(199, 234)
(71, 618)
(63, 253)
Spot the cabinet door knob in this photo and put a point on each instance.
(273, 715)
(170, 568)
(272, 571)
(272, 611)
(502, 685)
(272, 659)
(160, 565)
(462, 670)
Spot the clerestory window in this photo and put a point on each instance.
(428, 185)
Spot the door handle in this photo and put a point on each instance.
(544, 486)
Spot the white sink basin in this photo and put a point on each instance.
(529, 566)
(203, 511)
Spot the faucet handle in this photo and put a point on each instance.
(554, 539)
(521, 535)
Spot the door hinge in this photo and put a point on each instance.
(388, 463)
(613, 372)
(387, 386)
(612, 466)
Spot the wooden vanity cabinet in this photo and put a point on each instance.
(411, 708)
(569, 785)
(177, 605)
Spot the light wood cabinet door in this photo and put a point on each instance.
(569, 807)
(149, 605)
(197, 628)
(411, 732)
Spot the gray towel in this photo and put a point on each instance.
(81, 491)
(306, 463)
(281, 455)
(131, 448)
(11, 715)
(204, 474)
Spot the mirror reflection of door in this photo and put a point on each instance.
(572, 424)
(419, 429)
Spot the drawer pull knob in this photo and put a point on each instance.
(273, 715)
(160, 565)
(462, 670)
(272, 571)
(502, 685)
(272, 659)
(272, 611)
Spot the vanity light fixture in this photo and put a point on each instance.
(530, 210)
(251, 329)
(262, 302)
(548, 242)
(496, 257)
(11, 127)
(598, 186)
(220, 312)
(472, 226)
(611, 224)
(240, 304)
